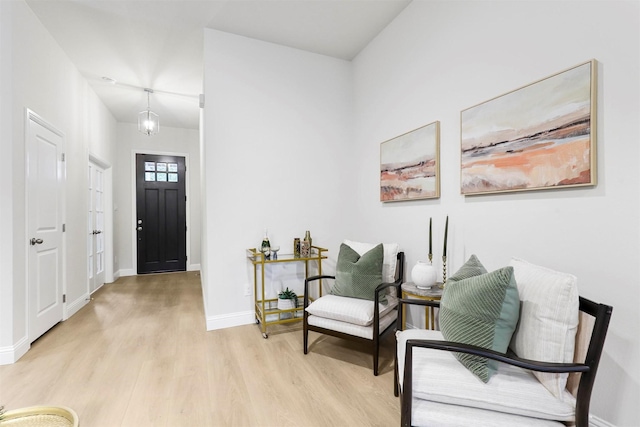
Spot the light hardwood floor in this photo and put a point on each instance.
(139, 355)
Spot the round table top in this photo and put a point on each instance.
(411, 288)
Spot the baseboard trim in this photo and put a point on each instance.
(230, 320)
(193, 267)
(127, 272)
(598, 422)
(72, 308)
(11, 354)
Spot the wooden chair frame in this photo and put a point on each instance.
(372, 344)
(587, 369)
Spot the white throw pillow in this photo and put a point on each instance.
(351, 310)
(390, 257)
(548, 321)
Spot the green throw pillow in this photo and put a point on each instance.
(482, 311)
(358, 276)
(473, 267)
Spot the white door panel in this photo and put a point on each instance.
(44, 227)
(96, 231)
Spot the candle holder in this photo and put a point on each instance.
(431, 259)
(444, 270)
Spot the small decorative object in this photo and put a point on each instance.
(541, 136)
(305, 246)
(265, 248)
(305, 249)
(410, 165)
(274, 251)
(287, 300)
(423, 275)
(296, 247)
(444, 252)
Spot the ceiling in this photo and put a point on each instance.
(158, 44)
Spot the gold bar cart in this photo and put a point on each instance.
(268, 307)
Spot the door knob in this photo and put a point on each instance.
(139, 228)
(35, 241)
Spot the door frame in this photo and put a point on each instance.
(108, 219)
(31, 115)
(134, 208)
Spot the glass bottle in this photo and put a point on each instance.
(307, 237)
(265, 248)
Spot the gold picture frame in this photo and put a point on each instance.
(410, 165)
(538, 137)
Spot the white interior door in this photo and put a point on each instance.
(96, 231)
(45, 174)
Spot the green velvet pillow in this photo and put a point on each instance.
(473, 267)
(483, 311)
(358, 276)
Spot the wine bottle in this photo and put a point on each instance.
(265, 248)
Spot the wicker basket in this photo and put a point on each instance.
(40, 416)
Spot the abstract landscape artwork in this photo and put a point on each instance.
(541, 136)
(410, 165)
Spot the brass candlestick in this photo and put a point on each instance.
(431, 259)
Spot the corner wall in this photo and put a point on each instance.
(278, 128)
(440, 57)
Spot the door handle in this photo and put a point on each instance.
(97, 231)
(35, 241)
(139, 229)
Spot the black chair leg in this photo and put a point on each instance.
(305, 339)
(376, 349)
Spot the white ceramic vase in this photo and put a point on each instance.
(423, 275)
(286, 304)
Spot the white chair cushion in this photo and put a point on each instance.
(390, 257)
(426, 413)
(439, 377)
(548, 321)
(350, 328)
(351, 310)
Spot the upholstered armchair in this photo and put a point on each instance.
(455, 377)
(362, 305)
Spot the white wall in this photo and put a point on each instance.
(438, 58)
(6, 177)
(183, 142)
(278, 155)
(36, 74)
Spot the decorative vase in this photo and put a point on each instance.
(423, 275)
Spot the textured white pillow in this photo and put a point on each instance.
(390, 257)
(548, 321)
(351, 310)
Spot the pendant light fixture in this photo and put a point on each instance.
(148, 121)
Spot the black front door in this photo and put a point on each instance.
(161, 213)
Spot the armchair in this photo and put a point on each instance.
(356, 319)
(436, 389)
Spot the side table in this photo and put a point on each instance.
(410, 290)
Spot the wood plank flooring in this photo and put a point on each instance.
(139, 355)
